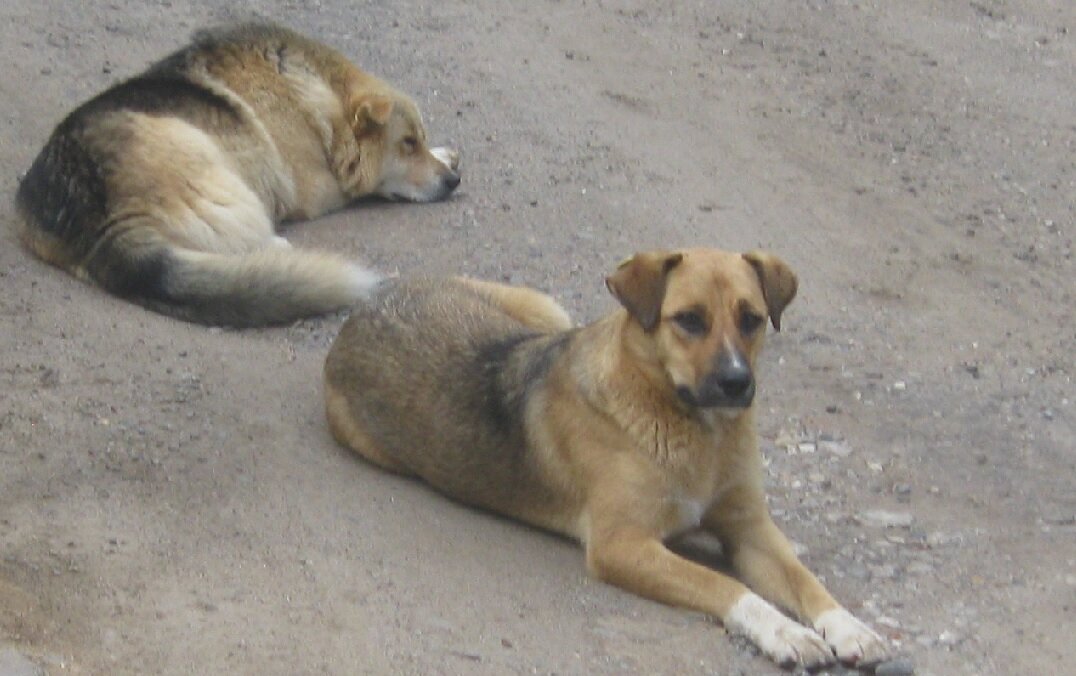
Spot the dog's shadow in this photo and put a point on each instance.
(702, 548)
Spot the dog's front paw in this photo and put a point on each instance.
(779, 638)
(852, 640)
(446, 156)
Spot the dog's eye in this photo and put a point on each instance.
(749, 322)
(691, 322)
(409, 144)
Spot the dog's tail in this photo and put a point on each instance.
(275, 285)
(270, 286)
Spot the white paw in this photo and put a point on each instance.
(446, 156)
(779, 638)
(363, 281)
(852, 640)
(278, 242)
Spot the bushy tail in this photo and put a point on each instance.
(270, 286)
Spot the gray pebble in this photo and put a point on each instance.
(837, 448)
(895, 668)
(880, 518)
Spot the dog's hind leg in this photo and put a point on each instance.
(349, 433)
(527, 306)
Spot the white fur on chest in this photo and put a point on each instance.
(687, 512)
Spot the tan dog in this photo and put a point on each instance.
(166, 188)
(622, 434)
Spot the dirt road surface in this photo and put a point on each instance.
(171, 501)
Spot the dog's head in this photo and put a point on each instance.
(698, 316)
(393, 158)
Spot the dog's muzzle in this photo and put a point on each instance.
(729, 385)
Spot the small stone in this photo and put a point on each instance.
(880, 518)
(807, 447)
(837, 448)
(784, 440)
(949, 639)
(894, 668)
(875, 467)
(939, 539)
(887, 621)
(900, 386)
(919, 568)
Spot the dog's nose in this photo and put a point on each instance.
(730, 384)
(733, 374)
(734, 380)
(451, 181)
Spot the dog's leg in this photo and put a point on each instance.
(763, 557)
(532, 308)
(639, 562)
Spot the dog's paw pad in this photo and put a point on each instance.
(779, 638)
(852, 640)
(447, 156)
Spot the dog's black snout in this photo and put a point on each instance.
(451, 181)
(731, 383)
(734, 379)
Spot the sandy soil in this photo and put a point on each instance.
(170, 499)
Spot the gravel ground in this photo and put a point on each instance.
(170, 499)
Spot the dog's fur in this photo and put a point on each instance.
(622, 434)
(165, 189)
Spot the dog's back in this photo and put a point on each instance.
(437, 382)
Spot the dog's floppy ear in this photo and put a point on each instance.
(370, 110)
(778, 283)
(639, 285)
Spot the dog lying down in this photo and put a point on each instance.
(166, 188)
(621, 434)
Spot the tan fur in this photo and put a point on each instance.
(202, 155)
(485, 392)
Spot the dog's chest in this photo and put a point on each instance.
(686, 512)
(694, 490)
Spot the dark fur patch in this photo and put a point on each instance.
(161, 93)
(501, 403)
(511, 368)
(135, 273)
(63, 193)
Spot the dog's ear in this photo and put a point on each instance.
(639, 285)
(370, 110)
(778, 283)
